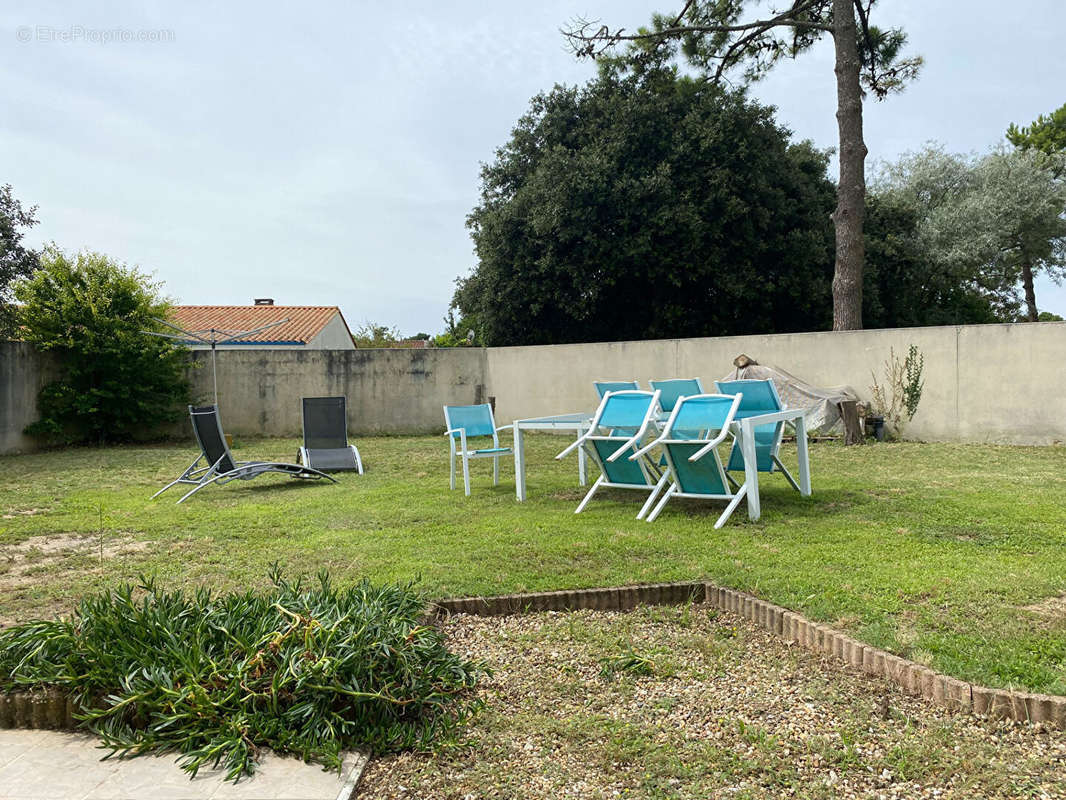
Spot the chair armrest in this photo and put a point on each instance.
(645, 449)
(633, 440)
(578, 443)
(505, 428)
(453, 431)
(705, 450)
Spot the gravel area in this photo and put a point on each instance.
(691, 702)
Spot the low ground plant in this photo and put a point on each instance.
(310, 670)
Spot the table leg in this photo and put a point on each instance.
(519, 463)
(582, 464)
(751, 468)
(804, 458)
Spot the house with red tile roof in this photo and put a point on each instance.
(292, 327)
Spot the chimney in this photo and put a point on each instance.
(264, 301)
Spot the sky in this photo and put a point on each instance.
(329, 153)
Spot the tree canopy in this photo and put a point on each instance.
(904, 287)
(728, 36)
(987, 223)
(16, 260)
(117, 381)
(648, 205)
(1046, 134)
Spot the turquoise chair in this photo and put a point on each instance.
(619, 426)
(673, 389)
(689, 442)
(670, 391)
(602, 387)
(464, 423)
(759, 397)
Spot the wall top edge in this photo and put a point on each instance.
(860, 332)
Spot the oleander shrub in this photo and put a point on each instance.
(310, 670)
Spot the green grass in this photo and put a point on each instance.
(928, 550)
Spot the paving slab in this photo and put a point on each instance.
(53, 765)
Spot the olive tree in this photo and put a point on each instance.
(994, 221)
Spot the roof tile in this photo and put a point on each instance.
(304, 322)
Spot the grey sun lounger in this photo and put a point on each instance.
(219, 465)
(326, 445)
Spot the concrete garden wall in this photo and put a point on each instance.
(23, 372)
(983, 383)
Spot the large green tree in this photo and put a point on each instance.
(117, 382)
(722, 37)
(16, 260)
(1047, 135)
(648, 205)
(903, 287)
(989, 223)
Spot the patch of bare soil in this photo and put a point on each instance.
(23, 512)
(1051, 607)
(19, 562)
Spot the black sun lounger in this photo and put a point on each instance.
(220, 467)
(326, 444)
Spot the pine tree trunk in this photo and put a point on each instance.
(851, 191)
(1030, 292)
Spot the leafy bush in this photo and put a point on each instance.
(308, 671)
(117, 381)
(371, 334)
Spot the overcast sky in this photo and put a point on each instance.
(329, 153)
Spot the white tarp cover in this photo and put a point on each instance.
(824, 414)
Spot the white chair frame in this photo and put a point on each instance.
(465, 453)
(709, 448)
(655, 481)
(775, 458)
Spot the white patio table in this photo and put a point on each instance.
(577, 422)
(742, 429)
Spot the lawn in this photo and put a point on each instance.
(952, 555)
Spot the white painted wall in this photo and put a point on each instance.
(983, 383)
(334, 336)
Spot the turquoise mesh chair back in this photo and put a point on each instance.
(475, 420)
(673, 389)
(696, 477)
(698, 418)
(602, 387)
(699, 415)
(620, 415)
(624, 411)
(760, 397)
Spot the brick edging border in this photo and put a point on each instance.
(53, 709)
